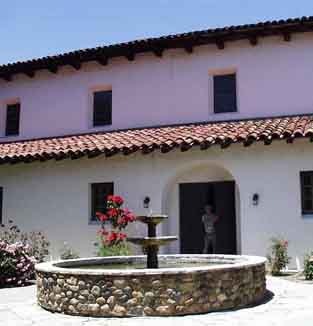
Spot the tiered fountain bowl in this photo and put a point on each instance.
(150, 244)
(151, 284)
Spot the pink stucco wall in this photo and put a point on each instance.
(273, 78)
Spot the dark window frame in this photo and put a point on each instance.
(1, 205)
(13, 115)
(303, 187)
(96, 207)
(225, 90)
(102, 112)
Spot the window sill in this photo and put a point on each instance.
(9, 136)
(90, 222)
(97, 223)
(307, 215)
(101, 126)
(221, 113)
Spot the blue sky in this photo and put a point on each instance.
(35, 28)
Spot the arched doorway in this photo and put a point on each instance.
(184, 199)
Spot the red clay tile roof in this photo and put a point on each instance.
(283, 27)
(164, 139)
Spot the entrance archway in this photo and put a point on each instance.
(184, 198)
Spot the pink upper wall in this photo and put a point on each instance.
(273, 78)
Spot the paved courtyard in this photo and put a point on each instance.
(292, 304)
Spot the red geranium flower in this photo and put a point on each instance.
(118, 200)
(112, 212)
(110, 198)
(118, 217)
(121, 236)
(102, 217)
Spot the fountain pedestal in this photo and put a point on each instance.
(151, 243)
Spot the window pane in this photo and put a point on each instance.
(307, 180)
(307, 191)
(13, 119)
(102, 108)
(1, 204)
(99, 194)
(308, 205)
(225, 93)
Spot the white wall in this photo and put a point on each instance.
(273, 78)
(54, 196)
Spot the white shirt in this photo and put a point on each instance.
(208, 222)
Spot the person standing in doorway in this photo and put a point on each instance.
(209, 220)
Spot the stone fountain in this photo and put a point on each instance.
(124, 286)
(150, 244)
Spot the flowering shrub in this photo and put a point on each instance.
(308, 266)
(36, 240)
(16, 264)
(278, 257)
(112, 242)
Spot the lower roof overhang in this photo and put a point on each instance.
(163, 139)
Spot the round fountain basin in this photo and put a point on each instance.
(121, 286)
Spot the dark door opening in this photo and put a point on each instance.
(192, 199)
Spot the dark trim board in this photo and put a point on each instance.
(192, 198)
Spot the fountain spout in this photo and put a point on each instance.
(151, 243)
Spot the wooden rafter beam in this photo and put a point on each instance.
(30, 73)
(103, 60)
(248, 142)
(75, 64)
(53, 69)
(130, 56)
(253, 40)
(158, 52)
(205, 145)
(287, 36)
(220, 44)
(188, 48)
(6, 77)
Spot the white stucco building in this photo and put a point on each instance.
(233, 110)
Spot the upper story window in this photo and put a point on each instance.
(99, 194)
(13, 119)
(102, 108)
(1, 204)
(225, 99)
(306, 178)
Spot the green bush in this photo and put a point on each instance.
(308, 266)
(120, 249)
(278, 257)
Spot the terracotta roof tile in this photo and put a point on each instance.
(159, 44)
(164, 139)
